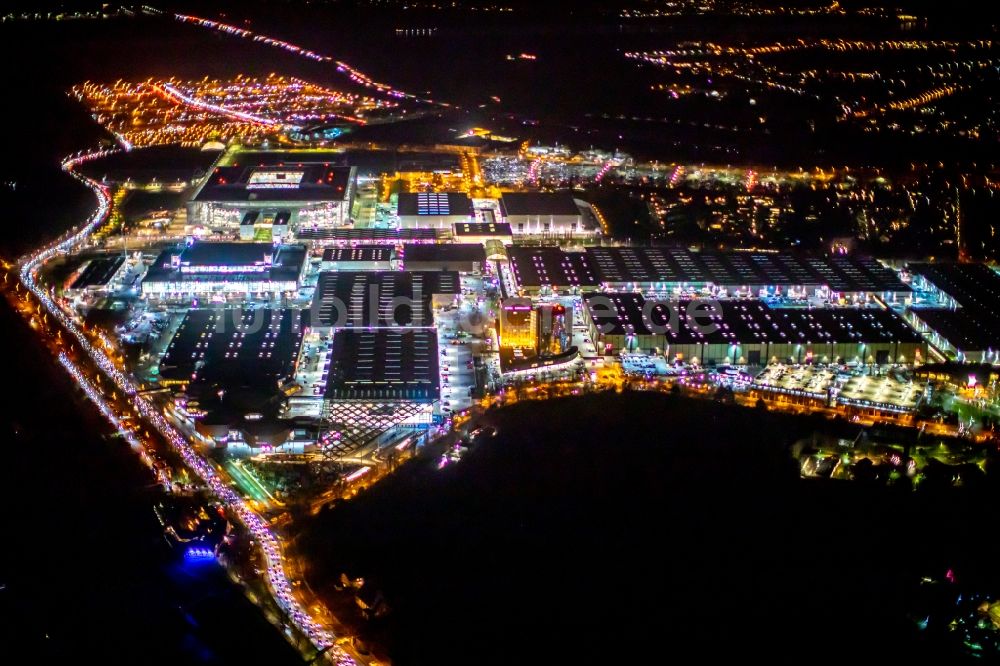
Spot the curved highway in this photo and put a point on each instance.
(279, 584)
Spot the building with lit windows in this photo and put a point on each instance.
(535, 338)
(225, 269)
(281, 197)
(545, 214)
(518, 324)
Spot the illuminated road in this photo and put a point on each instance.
(169, 92)
(353, 74)
(270, 546)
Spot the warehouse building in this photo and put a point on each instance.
(433, 210)
(965, 324)
(461, 258)
(483, 232)
(373, 382)
(538, 270)
(97, 275)
(748, 332)
(384, 364)
(958, 334)
(677, 270)
(233, 347)
(225, 269)
(276, 196)
(358, 258)
(379, 299)
(543, 213)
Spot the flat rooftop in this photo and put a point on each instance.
(280, 182)
(98, 272)
(427, 204)
(230, 262)
(359, 253)
(962, 328)
(538, 203)
(500, 229)
(443, 252)
(551, 267)
(234, 347)
(227, 254)
(384, 364)
(974, 286)
(745, 322)
(361, 299)
(387, 236)
(281, 157)
(681, 265)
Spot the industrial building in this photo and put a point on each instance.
(358, 258)
(97, 275)
(543, 213)
(433, 210)
(370, 236)
(233, 347)
(958, 334)
(483, 232)
(964, 320)
(376, 382)
(280, 197)
(747, 274)
(461, 258)
(748, 331)
(972, 286)
(384, 364)
(546, 269)
(377, 299)
(243, 269)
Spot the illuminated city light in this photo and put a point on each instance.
(270, 546)
(246, 109)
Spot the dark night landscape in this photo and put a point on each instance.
(375, 332)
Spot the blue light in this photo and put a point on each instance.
(199, 553)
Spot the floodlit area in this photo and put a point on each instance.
(808, 381)
(191, 113)
(882, 393)
(308, 331)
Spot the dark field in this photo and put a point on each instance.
(606, 528)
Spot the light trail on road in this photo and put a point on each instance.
(355, 75)
(279, 584)
(176, 95)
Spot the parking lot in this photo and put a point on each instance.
(458, 330)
